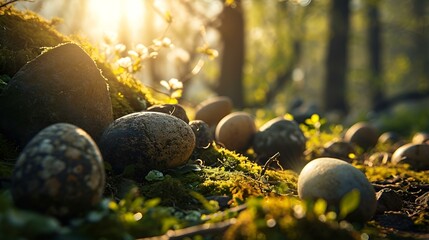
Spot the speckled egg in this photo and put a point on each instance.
(331, 179)
(212, 110)
(283, 136)
(416, 155)
(236, 131)
(60, 172)
(145, 141)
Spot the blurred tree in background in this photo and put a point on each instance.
(347, 56)
(337, 58)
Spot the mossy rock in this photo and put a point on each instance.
(24, 35)
(62, 84)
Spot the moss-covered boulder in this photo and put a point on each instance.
(24, 35)
(61, 85)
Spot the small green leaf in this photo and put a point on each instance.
(154, 175)
(349, 203)
(320, 207)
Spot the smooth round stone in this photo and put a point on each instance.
(212, 110)
(331, 179)
(203, 134)
(389, 138)
(60, 172)
(172, 109)
(235, 131)
(145, 141)
(416, 155)
(338, 149)
(363, 135)
(283, 136)
(62, 84)
(420, 137)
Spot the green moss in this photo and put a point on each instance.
(171, 191)
(222, 173)
(24, 34)
(127, 94)
(403, 171)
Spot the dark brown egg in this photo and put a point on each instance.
(416, 155)
(236, 131)
(363, 135)
(212, 110)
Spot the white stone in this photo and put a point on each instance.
(331, 179)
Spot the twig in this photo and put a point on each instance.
(10, 2)
(269, 161)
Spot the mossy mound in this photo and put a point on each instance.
(25, 35)
(216, 172)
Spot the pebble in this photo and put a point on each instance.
(339, 149)
(236, 131)
(416, 155)
(212, 110)
(363, 135)
(203, 135)
(283, 136)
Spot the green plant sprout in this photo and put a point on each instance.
(318, 133)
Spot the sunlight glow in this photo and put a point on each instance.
(112, 16)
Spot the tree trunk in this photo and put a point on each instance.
(336, 62)
(230, 82)
(375, 52)
(421, 39)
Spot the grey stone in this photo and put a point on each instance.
(62, 84)
(283, 136)
(146, 141)
(331, 179)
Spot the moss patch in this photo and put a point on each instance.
(24, 34)
(218, 172)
